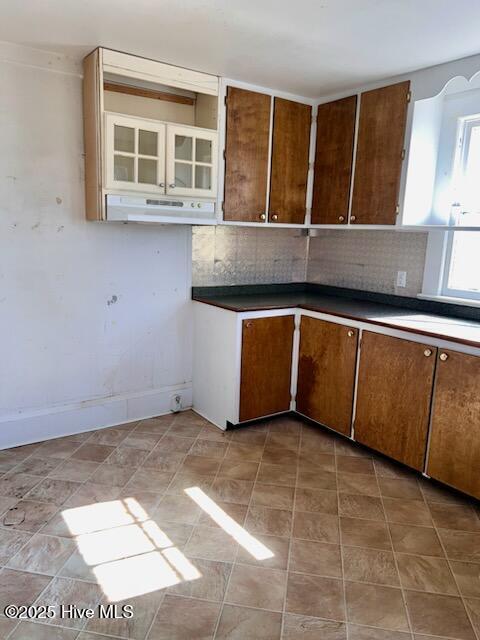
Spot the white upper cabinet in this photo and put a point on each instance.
(191, 161)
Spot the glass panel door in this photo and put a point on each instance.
(191, 154)
(135, 154)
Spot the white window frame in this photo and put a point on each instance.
(462, 149)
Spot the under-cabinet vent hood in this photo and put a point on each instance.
(160, 210)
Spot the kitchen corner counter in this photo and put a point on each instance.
(415, 320)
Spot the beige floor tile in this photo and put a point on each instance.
(345, 447)
(422, 541)
(185, 430)
(357, 483)
(473, 607)
(467, 575)
(407, 511)
(238, 512)
(127, 456)
(201, 465)
(209, 449)
(37, 631)
(43, 554)
(147, 501)
(425, 573)
(276, 474)
(273, 496)
(371, 534)
(356, 632)
(145, 441)
(210, 432)
(6, 503)
(358, 506)
(211, 543)
(438, 615)
(68, 591)
(277, 546)
(177, 509)
(317, 558)
(17, 485)
(316, 500)
(148, 480)
(6, 626)
(90, 492)
(187, 479)
(32, 515)
(458, 517)
(160, 460)
(285, 440)
(433, 493)
(321, 441)
(37, 466)
(312, 460)
(279, 455)
(112, 475)
(253, 435)
(370, 565)
(405, 488)
(321, 527)
(461, 545)
(212, 583)
(376, 606)
(54, 491)
(391, 469)
(250, 451)
(10, 543)
(257, 587)
(352, 464)
(110, 436)
(317, 480)
(242, 470)
(275, 522)
(297, 627)
(315, 596)
(20, 588)
(241, 623)
(184, 619)
(75, 470)
(78, 569)
(59, 448)
(227, 490)
(177, 444)
(93, 452)
(155, 425)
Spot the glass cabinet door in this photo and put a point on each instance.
(191, 160)
(135, 154)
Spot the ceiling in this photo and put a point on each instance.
(307, 47)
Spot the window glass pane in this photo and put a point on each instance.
(203, 177)
(183, 148)
(147, 142)
(471, 184)
(123, 168)
(124, 139)
(147, 171)
(464, 273)
(203, 150)
(183, 175)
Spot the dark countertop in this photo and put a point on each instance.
(455, 329)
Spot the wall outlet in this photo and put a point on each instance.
(176, 403)
(401, 278)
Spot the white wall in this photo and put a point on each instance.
(95, 319)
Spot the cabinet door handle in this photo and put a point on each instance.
(171, 186)
(353, 218)
(161, 184)
(443, 357)
(341, 218)
(350, 333)
(274, 217)
(262, 216)
(248, 324)
(427, 353)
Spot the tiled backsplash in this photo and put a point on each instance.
(368, 260)
(228, 255)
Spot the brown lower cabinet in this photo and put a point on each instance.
(266, 366)
(394, 396)
(326, 373)
(454, 452)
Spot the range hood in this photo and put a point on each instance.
(160, 210)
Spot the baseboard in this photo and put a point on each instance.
(66, 420)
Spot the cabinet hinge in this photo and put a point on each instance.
(225, 100)
(403, 154)
(409, 96)
(397, 209)
(222, 206)
(224, 154)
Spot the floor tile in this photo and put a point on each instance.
(279, 455)
(110, 436)
(407, 489)
(390, 469)
(251, 451)
(177, 509)
(461, 518)
(273, 496)
(315, 596)
(148, 480)
(177, 444)
(317, 480)
(425, 573)
(112, 475)
(407, 511)
(135, 628)
(438, 615)
(93, 452)
(185, 430)
(276, 474)
(473, 607)
(186, 480)
(238, 491)
(68, 591)
(37, 466)
(277, 546)
(297, 627)
(59, 448)
(321, 527)
(321, 441)
(351, 464)
(467, 575)
(90, 492)
(241, 623)
(376, 606)
(17, 485)
(345, 447)
(32, 515)
(256, 434)
(200, 464)
(155, 425)
(36, 631)
(275, 522)
(238, 512)
(311, 460)
(6, 502)
(434, 492)
(461, 545)
(211, 543)
(316, 500)
(160, 460)
(212, 584)
(209, 449)
(18, 587)
(422, 541)
(75, 470)
(242, 470)
(10, 542)
(210, 432)
(54, 491)
(356, 632)
(286, 440)
(145, 441)
(369, 534)
(127, 456)
(43, 554)
(257, 587)
(358, 483)
(184, 619)
(357, 506)
(370, 565)
(317, 558)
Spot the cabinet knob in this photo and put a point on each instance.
(248, 324)
(274, 217)
(341, 218)
(350, 333)
(262, 216)
(443, 357)
(353, 218)
(161, 184)
(427, 353)
(172, 185)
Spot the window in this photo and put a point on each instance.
(462, 265)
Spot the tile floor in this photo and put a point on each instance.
(281, 530)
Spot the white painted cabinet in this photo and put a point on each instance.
(146, 155)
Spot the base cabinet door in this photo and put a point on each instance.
(326, 373)
(266, 366)
(394, 397)
(454, 452)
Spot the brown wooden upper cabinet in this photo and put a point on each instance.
(333, 161)
(266, 366)
(454, 454)
(290, 151)
(326, 373)
(393, 397)
(378, 165)
(246, 154)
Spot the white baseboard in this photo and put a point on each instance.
(66, 420)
